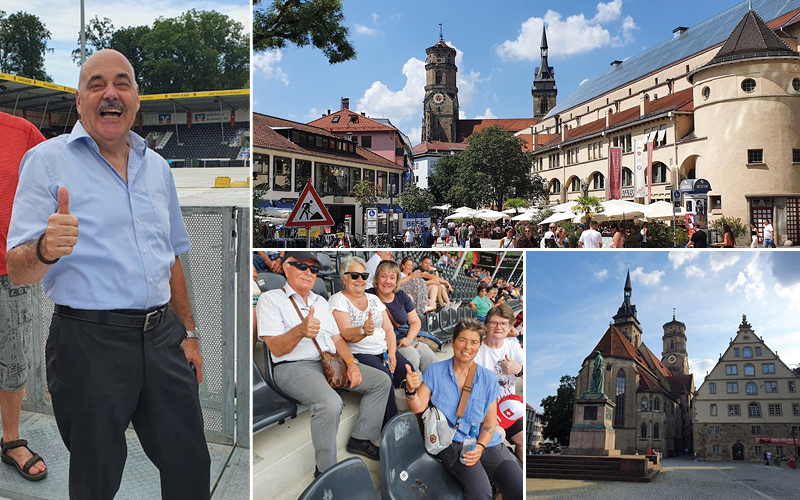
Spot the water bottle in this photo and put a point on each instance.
(386, 361)
(470, 442)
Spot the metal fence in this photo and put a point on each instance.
(218, 276)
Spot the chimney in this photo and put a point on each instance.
(345, 103)
(616, 63)
(329, 111)
(363, 113)
(644, 104)
(609, 117)
(680, 30)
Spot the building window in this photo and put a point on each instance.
(644, 404)
(628, 143)
(768, 367)
(733, 387)
(791, 386)
(748, 85)
(755, 429)
(366, 141)
(555, 187)
(715, 449)
(261, 166)
(659, 173)
(302, 172)
(712, 388)
(754, 410)
(655, 431)
(755, 156)
(439, 76)
(796, 156)
(747, 352)
(644, 431)
(382, 184)
(771, 386)
(627, 177)
(795, 409)
(736, 351)
(751, 388)
(282, 177)
(575, 185)
(730, 369)
(713, 410)
(734, 410)
(714, 429)
(619, 417)
(599, 180)
(656, 405)
(706, 92)
(749, 370)
(795, 84)
(775, 409)
(779, 451)
(335, 119)
(758, 450)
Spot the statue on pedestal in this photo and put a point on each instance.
(596, 384)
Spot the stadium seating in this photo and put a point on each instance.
(349, 479)
(208, 141)
(269, 407)
(407, 470)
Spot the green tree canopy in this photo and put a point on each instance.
(198, 50)
(365, 193)
(588, 206)
(302, 23)
(516, 203)
(557, 411)
(23, 45)
(415, 199)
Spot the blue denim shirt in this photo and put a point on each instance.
(441, 380)
(130, 232)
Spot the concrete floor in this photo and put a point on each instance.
(196, 187)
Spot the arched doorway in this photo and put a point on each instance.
(738, 452)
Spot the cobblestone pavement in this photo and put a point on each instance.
(682, 478)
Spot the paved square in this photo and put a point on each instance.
(683, 478)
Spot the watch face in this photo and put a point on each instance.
(438, 98)
(672, 359)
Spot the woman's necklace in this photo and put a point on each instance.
(357, 301)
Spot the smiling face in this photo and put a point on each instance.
(386, 282)
(407, 267)
(466, 346)
(497, 327)
(301, 281)
(354, 286)
(107, 97)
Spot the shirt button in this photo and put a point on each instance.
(137, 220)
(144, 250)
(151, 280)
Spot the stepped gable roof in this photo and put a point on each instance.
(697, 39)
(468, 127)
(653, 362)
(614, 344)
(752, 38)
(264, 136)
(438, 146)
(681, 383)
(346, 122)
(647, 383)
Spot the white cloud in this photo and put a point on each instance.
(680, 257)
(699, 367)
(791, 292)
(574, 34)
(691, 271)
(601, 275)
(466, 81)
(313, 114)
(366, 30)
(751, 281)
(721, 260)
(266, 64)
(414, 135)
(379, 101)
(647, 279)
(487, 115)
(375, 17)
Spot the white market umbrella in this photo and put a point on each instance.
(558, 217)
(490, 215)
(526, 216)
(661, 210)
(442, 207)
(621, 213)
(563, 207)
(462, 214)
(463, 209)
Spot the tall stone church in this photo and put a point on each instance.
(653, 396)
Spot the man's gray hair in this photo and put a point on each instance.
(349, 261)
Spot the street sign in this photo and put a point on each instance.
(309, 210)
(676, 196)
(372, 213)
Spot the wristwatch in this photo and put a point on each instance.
(363, 333)
(192, 334)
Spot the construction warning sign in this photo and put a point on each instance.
(309, 210)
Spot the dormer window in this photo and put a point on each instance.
(354, 119)
(335, 119)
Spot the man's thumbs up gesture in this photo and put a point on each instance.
(61, 234)
(310, 325)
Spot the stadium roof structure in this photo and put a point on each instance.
(686, 43)
(18, 93)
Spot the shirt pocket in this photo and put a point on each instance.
(160, 204)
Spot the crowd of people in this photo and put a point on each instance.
(375, 324)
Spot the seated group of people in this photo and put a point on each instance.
(374, 326)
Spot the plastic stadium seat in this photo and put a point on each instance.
(444, 320)
(268, 406)
(435, 329)
(320, 289)
(270, 281)
(268, 365)
(349, 479)
(325, 265)
(407, 471)
(336, 284)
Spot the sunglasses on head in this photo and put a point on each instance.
(355, 276)
(302, 266)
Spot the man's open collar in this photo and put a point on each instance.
(137, 143)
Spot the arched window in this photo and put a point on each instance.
(627, 177)
(672, 344)
(555, 187)
(655, 431)
(439, 78)
(659, 173)
(619, 418)
(644, 431)
(751, 388)
(747, 352)
(754, 410)
(644, 404)
(599, 180)
(544, 106)
(656, 405)
(575, 184)
(749, 370)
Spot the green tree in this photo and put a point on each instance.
(98, 36)
(365, 193)
(259, 241)
(23, 45)
(128, 41)
(557, 411)
(302, 22)
(516, 203)
(415, 199)
(738, 227)
(588, 206)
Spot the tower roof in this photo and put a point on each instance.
(626, 309)
(614, 344)
(752, 38)
(544, 37)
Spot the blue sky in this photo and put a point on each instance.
(63, 19)
(498, 50)
(572, 296)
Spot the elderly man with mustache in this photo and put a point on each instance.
(96, 219)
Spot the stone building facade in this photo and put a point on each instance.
(748, 404)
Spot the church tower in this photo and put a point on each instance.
(440, 107)
(625, 320)
(674, 355)
(544, 84)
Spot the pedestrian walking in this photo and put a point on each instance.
(769, 242)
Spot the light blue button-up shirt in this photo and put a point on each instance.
(129, 233)
(441, 380)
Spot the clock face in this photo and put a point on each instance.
(672, 359)
(438, 98)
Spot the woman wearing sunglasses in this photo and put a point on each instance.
(365, 325)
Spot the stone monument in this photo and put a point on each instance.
(592, 423)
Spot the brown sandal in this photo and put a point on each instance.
(24, 471)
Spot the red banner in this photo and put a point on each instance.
(615, 173)
(775, 441)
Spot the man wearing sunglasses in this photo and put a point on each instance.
(297, 368)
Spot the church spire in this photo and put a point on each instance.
(544, 83)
